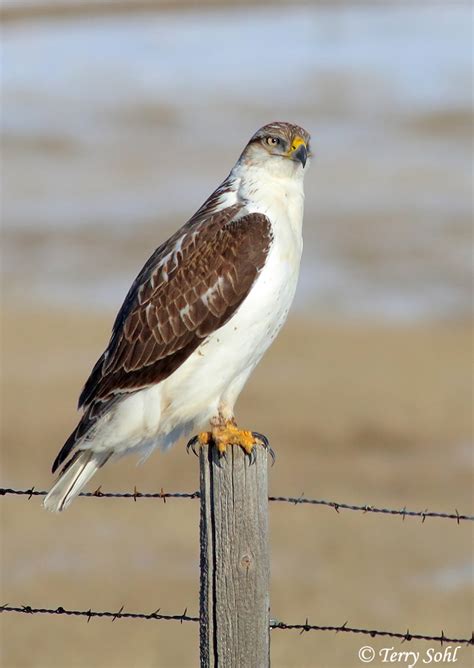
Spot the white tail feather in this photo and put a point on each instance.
(73, 479)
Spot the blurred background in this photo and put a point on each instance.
(118, 120)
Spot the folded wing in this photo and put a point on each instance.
(192, 285)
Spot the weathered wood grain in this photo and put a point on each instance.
(235, 560)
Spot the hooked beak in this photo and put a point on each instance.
(301, 154)
(299, 151)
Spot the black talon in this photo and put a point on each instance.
(219, 456)
(252, 455)
(266, 444)
(272, 455)
(261, 437)
(191, 445)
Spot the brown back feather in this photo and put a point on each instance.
(166, 320)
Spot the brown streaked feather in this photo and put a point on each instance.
(166, 320)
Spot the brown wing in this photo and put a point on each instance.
(195, 288)
(192, 285)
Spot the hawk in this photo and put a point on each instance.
(197, 319)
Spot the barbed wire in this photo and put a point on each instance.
(4, 491)
(366, 508)
(90, 614)
(336, 505)
(274, 624)
(344, 628)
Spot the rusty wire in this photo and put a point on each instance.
(403, 512)
(344, 628)
(90, 614)
(274, 624)
(336, 505)
(108, 495)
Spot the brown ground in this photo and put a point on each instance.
(363, 414)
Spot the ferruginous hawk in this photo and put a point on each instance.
(198, 318)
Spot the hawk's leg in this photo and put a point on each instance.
(226, 432)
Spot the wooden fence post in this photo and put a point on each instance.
(235, 560)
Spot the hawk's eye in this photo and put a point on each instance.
(272, 141)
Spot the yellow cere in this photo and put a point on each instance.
(297, 141)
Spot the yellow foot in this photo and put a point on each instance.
(227, 434)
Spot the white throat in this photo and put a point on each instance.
(277, 193)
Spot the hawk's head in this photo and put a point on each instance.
(283, 147)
